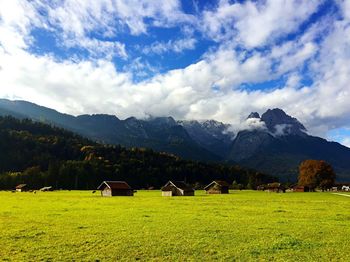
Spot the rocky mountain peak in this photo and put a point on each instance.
(169, 121)
(253, 115)
(278, 122)
(133, 123)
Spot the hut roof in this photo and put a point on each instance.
(114, 185)
(46, 188)
(273, 185)
(179, 184)
(217, 182)
(20, 186)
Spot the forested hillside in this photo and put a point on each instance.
(40, 155)
(276, 146)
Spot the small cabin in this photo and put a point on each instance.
(115, 188)
(345, 188)
(301, 189)
(177, 188)
(21, 188)
(217, 187)
(46, 188)
(275, 187)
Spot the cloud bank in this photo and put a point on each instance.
(252, 45)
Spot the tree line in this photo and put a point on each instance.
(40, 155)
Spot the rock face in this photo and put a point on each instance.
(212, 135)
(283, 145)
(276, 146)
(253, 115)
(278, 122)
(249, 143)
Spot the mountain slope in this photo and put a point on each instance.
(160, 134)
(283, 144)
(38, 154)
(212, 135)
(275, 144)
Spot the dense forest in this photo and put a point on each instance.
(42, 155)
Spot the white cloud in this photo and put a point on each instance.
(17, 17)
(140, 68)
(345, 8)
(176, 46)
(253, 124)
(254, 24)
(88, 87)
(80, 17)
(346, 141)
(88, 24)
(98, 48)
(282, 130)
(80, 20)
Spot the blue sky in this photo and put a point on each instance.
(189, 59)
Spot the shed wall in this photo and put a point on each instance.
(122, 192)
(174, 191)
(217, 190)
(167, 193)
(188, 193)
(106, 192)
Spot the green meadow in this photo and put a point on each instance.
(243, 226)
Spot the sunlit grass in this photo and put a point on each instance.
(246, 225)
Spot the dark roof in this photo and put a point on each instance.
(273, 185)
(218, 182)
(179, 184)
(114, 185)
(21, 186)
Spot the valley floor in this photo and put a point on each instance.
(244, 225)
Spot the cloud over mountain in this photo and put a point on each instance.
(206, 61)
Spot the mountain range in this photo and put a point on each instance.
(274, 143)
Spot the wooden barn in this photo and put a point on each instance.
(177, 188)
(21, 188)
(46, 188)
(275, 187)
(115, 188)
(217, 187)
(301, 189)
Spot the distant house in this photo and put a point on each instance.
(21, 188)
(177, 188)
(115, 188)
(298, 188)
(261, 187)
(275, 187)
(217, 187)
(345, 188)
(46, 188)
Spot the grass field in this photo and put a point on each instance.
(246, 225)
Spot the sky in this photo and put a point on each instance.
(190, 59)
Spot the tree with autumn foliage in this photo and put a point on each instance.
(316, 173)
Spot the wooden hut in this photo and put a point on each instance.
(21, 188)
(301, 189)
(46, 188)
(115, 188)
(217, 187)
(261, 187)
(177, 188)
(275, 187)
